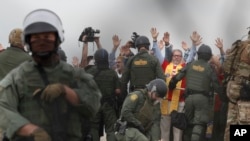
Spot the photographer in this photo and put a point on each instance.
(86, 38)
(89, 34)
(108, 82)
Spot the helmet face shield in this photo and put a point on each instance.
(39, 27)
(42, 20)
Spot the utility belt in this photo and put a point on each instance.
(239, 79)
(192, 92)
(134, 87)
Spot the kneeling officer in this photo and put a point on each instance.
(141, 112)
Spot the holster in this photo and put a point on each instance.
(120, 126)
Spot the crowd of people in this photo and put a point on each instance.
(128, 96)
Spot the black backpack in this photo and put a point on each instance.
(179, 120)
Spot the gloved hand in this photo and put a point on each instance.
(172, 84)
(41, 135)
(50, 92)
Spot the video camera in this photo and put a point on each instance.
(90, 34)
(134, 37)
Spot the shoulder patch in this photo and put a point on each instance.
(133, 97)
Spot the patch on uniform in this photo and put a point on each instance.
(141, 62)
(198, 68)
(133, 97)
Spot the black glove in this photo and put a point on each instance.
(172, 84)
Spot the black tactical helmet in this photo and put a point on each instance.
(142, 41)
(204, 52)
(159, 85)
(101, 57)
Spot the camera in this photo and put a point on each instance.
(90, 34)
(134, 37)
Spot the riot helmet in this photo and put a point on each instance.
(15, 37)
(41, 21)
(101, 58)
(142, 41)
(159, 86)
(204, 52)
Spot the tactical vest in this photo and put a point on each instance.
(142, 70)
(32, 80)
(237, 61)
(197, 76)
(106, 80)
(145, 113)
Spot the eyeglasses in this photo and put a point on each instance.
(177, 55)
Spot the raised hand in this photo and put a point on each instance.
(196, 38)
(116, 41)
(184, 45)
(219, 43)
(75, 61)
(166, 38)
(154, 33)
(125, 50)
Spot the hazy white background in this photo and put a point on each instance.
(227, 19)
